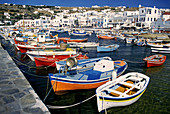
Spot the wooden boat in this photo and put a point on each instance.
(86, 77)
(155, 60)
(83, 44)
(130, 40)
(140, 42)
(122, 91)
(21, 40)
(61, 31)
(51, 54)
(158, 43)
(161, 50)
(108, 37)
(135, 33)
(87, 62)
(108, 48)
(62, 39)
(75, 40)
(79, 33)
(25, 48)
(120, 36)
(41, 61)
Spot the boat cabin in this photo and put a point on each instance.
(104, 65)
(41, 37)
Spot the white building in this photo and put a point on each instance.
(95, 6)
(131, 16)
(25, 23)
(7, 15)
(166, 15)
(147, 15)
(113, 20)
(163, 23)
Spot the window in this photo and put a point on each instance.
(148, 18)
(154, 19)
(149, 11)
(155, 11)
(151, 19)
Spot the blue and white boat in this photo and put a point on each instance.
(82, 44)
(61, 31)
(108, 48)
(80, 63)
(122, 91)
(79, 33)
(86, 76)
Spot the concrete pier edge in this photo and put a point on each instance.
(16, 94)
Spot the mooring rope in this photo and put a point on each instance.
(20, 63)
(59, 107)
(33, 74)
(134, 62)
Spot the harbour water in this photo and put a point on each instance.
(155, 100)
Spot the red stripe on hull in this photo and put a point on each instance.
(40, 62)
(74, 40)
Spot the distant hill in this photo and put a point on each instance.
(14, 12)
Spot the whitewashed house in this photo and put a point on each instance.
(162, 24)
(166, 15)
(113, 20)
(147, 15)
(25, 23)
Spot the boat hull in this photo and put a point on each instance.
(116, 102)
(64, 84)
(122, 91)
(107, 48)
(105, 37)
(61, 86)
(41, 62)
(84, 45)
(153, 61)
(76, 40)
(25, 48)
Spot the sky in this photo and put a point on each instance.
(89, 3)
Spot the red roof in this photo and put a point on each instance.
(166, 13)
(168, 20)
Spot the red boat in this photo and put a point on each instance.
(62, 38)
(155, 60)
(75, 40)
(20, 41)
(40, 62)
(25, 48)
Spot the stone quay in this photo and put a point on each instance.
(16, 94)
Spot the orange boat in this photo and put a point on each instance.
(155, 60)
(106, 37)
(75, 40)
(87, 76)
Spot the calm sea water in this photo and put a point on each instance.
(155, 100)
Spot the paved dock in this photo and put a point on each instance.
(16, 94)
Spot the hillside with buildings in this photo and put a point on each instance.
(95, 16)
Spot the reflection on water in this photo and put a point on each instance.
(153, 70)
(156, 99)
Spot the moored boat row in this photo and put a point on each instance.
(76, 71)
